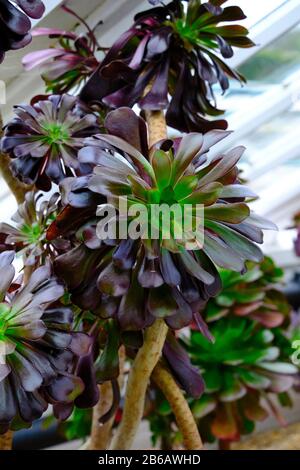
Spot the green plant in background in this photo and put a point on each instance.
(247, 370)
(238, 375)
(252, 295)
(78, 425)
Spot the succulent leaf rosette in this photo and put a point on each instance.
(245, 364)
(67, 65)
(173, 51)
(44, 138)
(27, 235)
(244, 370)
(15, 23)
(254, 294)
(139, 280)
(37, 346)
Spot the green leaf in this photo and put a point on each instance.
(162, 164)
(207, 195)
(185, 186)
(229, 213)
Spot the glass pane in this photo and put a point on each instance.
(270, 131)
(276, 62)
(238, 97)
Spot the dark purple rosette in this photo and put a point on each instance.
(169, 60)
(44, 139)
(27, 234)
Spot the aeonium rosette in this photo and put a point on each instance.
(138, 280)
(37, 347)
(170, 59)
(44, 138)
(27, 235)
(248, 376)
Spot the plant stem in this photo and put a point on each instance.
(157, 127)
(184, 418)
(139, 376)
(6, 441)
(17, 188)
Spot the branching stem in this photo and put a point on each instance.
(184, 418)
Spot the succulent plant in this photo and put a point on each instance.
(44, 138)
(172, 51)
(15, 23)
(239, 373)
(37, 345)
(67, 65)
(254, 294)
(28, 234)
(243, 370)
(139, 280)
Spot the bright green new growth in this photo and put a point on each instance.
(56, 133)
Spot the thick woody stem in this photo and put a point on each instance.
(155, 336)
(6, 441)
(184, 418)
(142, 367)
(17, 188)
(157, 127)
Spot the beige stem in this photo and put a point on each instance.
(184, 418)
(157, 127)
(142, 367)
(6, 441)
(17, 188)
